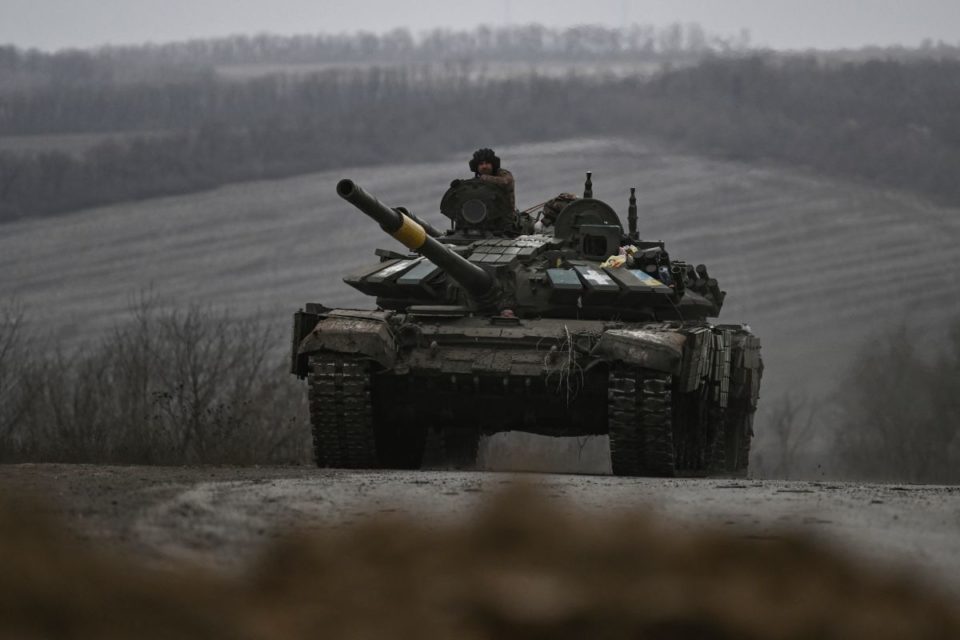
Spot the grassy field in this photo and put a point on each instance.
(815, 266)
(75, 144)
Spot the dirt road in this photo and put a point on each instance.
(222, 516)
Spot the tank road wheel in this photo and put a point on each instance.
(640, 425)
(340, 412)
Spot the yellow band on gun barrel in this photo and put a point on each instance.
(410, 234)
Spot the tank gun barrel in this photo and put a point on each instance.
(479, 284)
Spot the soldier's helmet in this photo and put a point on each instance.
(484, 155)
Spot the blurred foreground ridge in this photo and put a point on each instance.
(505, 574)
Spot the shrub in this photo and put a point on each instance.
(898, 412)
(179, 387)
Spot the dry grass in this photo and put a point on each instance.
(178, 387)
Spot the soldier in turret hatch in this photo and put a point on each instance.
(486, 166)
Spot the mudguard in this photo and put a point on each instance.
(365, 334)
(657, 350)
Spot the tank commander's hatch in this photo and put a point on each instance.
(594, 223)
(474, 204)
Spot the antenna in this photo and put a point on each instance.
(588, 186)
(632, 214)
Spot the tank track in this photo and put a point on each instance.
(738, 436)
(340, 412)
(640, 422)
(717, 418)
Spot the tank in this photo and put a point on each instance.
(555, 321)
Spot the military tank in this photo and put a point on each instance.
(561, 326)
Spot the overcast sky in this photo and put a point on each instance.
(792, 24)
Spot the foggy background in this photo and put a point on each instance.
(190, 180)
(780, 24)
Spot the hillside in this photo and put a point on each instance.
(815, 266)
(886, 123)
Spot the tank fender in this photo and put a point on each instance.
(650, 349)
(365, 336)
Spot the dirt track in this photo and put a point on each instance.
(222, 516)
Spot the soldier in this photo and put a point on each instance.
(486, 166)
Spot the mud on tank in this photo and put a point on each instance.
(500, 323)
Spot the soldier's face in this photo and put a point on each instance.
(485, 167)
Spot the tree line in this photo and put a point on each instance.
(894, 418)
(527, 43)
(893, 124)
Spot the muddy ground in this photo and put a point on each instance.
(152, 552)
(221, 517)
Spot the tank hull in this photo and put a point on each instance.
(386, 388)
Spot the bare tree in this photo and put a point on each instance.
(11, 323)
(175, 387)
(899, 411)
(787, 432)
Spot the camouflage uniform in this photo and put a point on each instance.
(505, 179)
